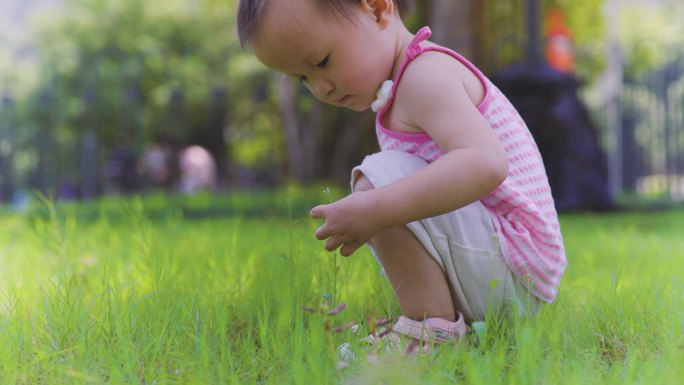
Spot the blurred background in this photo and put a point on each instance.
(103, 97)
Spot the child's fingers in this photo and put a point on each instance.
(349, 249)
(333, 243)
(318, 212)
(322, 233)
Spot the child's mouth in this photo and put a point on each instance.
(343, 100)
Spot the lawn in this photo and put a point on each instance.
(209, 290)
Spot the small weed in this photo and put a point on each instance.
(324, 308)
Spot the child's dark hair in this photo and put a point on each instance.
(250, 12)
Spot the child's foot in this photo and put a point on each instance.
(431, 330)
(411, 336)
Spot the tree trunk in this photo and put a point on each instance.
(301, 134)
(210, 134)
(454, 24)
(214, 131)
(354, 140)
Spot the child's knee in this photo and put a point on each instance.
(383, 168)
(362, 183)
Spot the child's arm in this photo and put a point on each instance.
(430, 98)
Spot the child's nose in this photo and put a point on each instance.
(322, 88)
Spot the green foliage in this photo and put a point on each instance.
(503, 32)
(132, 72)
(117, 64)
(586, 19)
(502, 36)
(650, 36)
(123, 292)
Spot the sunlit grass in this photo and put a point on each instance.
(212, 290)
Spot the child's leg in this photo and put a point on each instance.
(418, 281)
(458, 250)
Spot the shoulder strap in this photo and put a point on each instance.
(412, 51)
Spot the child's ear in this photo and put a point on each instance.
(381, 10)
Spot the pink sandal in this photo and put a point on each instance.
(411, 336)
(435, 330)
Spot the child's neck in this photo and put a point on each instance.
(402, 40)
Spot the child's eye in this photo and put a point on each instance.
(323, 62)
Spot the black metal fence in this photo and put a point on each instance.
(37, 155)
(644, 132)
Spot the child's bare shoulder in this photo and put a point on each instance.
(440, 68)
(433, 72)
(438, 63)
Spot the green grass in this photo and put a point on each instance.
(210, 291)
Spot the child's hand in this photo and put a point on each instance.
(349, 223)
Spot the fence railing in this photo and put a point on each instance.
(646, 132)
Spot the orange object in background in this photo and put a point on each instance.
(560, 49)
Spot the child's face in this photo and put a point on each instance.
(343, 63)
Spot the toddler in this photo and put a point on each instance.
(457, 206)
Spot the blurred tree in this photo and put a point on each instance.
(586, 20)
(133, 72)
(321, 140)
(302, 125)
(454, 24)
(492, 34)
(651, 35)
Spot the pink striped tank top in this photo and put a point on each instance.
(522, 208)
